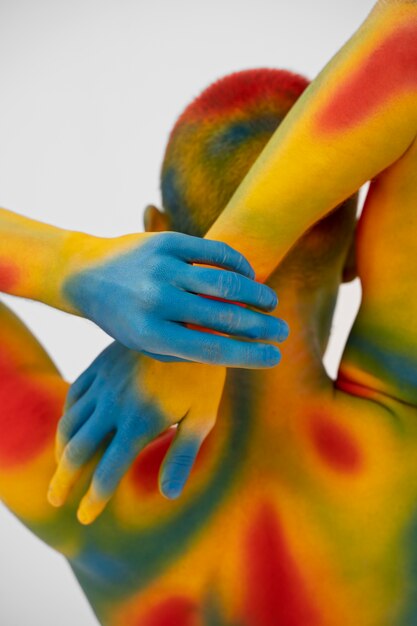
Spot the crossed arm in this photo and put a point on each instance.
(358, 125)
(126, 285)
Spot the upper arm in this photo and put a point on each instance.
(356, 118)
(381, 351)
(32, 395)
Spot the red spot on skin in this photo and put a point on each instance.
(388, 72)
(145, 470)
(276, 595)
(28, 416)
(9, 275)
(175, 611)
(335, 445)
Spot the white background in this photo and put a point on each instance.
(89, 92)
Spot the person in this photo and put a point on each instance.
(142, 561)
(300, 509)
(358, 125)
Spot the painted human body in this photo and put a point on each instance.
(125, 285)
(301, 508)
(361, 124)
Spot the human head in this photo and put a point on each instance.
(214, 144)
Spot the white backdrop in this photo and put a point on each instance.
(89, 92)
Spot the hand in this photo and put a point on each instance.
(141, 289)
(135, 398)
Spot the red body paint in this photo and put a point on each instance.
(145, 470)
(275, 591)
(335, 445)
(390, 71)
(28, 416)
(9, 275)
(175, 611)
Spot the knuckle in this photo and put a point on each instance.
(168, 242)
(163, 240)
(264, 327)
(131, 435)
(229, 284)
(209, 278)
(152, 295)
(230, 320)
(104, 475)
(75, 453)
(245, 354)
(181, 461)
(211, 351)
(226, 252)
(64, 426)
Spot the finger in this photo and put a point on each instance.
(228, 286)
(197, 250)
(79, 387)
(76, 454)
(203, 347)
(72, 420)
(165, 358)
(115, 462)
(179, 460)
(228, 318)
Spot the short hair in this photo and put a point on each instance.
(217, 139)
(213, 145)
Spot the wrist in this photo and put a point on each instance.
(30, 257)
(82, 255)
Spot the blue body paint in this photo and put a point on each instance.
(145, 297)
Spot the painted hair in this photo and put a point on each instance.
(217, 139)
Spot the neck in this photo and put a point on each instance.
(309, 312)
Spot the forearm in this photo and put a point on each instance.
(31, 258)
(36, 259)
(357, 118)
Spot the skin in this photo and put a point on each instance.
(309, 492)
(301, 509)
(363, 126)
(128, 286)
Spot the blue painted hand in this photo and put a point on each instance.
(144, 293)
(116, 402)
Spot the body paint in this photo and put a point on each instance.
(387, 73)
(274, 584)
(28, 415)
(335, 445)
(9, 275)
